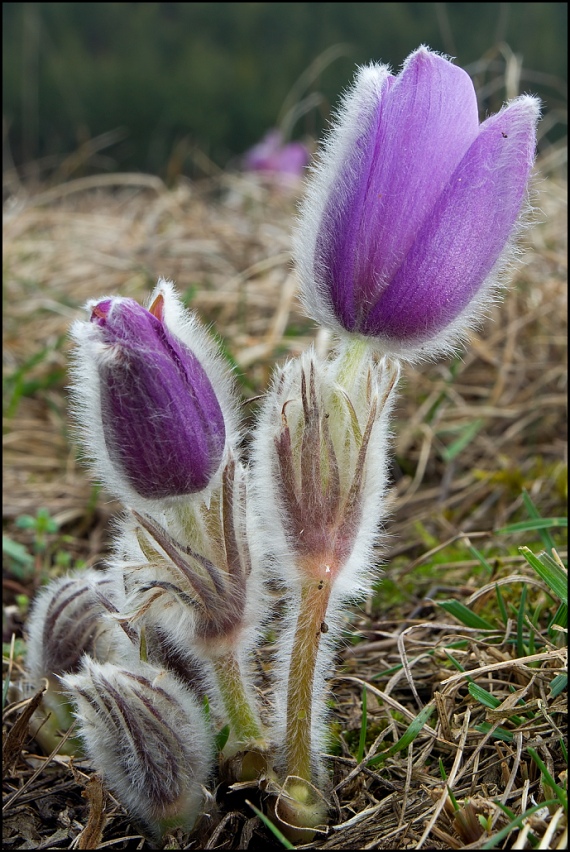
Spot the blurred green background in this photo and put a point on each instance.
(145, 85)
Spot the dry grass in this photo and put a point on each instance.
(226, 244)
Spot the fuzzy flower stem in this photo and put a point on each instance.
(356, 353)
(244, 723)
(310, 625)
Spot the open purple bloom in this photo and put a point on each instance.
(163, 428)
(404, 227)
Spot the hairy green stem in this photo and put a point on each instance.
(310, 625)
(355, 355)
(245, 726)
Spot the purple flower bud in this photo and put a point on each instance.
(147, 735)
(404, 228)
(67, 622)
(152, 419)
(319, 467)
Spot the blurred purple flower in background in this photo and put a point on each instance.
(407, 217)
(274, 157)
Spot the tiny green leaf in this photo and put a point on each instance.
(16, 551)
(553, 575)
(222, 737)
(464, 615)
(408, 736)
(363, 726)
(272, 828)
(558, 685)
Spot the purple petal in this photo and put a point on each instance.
(162, 422)
(464, 235)
(424, 123)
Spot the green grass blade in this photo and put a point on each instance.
(483, 697)
(499, 733)
(468, 433)
(549, 560)
(479, 556)
(521, 650)
(490, 700)
(560, 617)
(464, 615)
(556, 789)
(516, 822)
(553, 575)
(531, 526)
(454, 662)
(535, 514)
(272, 828)
(363, 726)
(501, 602)
(408, 736)
(558, 685)
(386, 672)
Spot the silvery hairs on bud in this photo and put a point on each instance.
(147, 735)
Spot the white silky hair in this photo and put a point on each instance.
(354, 579)
(105, 642)
(176, 619)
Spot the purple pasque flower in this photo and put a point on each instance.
(67, 621)
(194, 585)
(274, 156)
(145, 379)
(320, 467)
(406, 220)
(146, 734)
